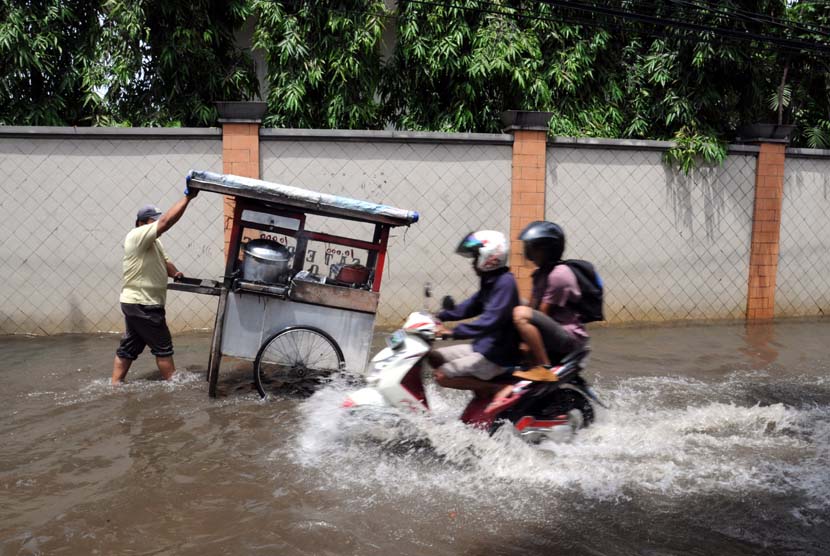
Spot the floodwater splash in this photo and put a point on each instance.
(664, 437)
(101, 388)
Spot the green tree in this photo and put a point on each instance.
(809, 76)
(324, 61)
(456, 67)
(48, 62)
(167, 61)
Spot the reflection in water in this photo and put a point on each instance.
(760, 338)
(706, 450)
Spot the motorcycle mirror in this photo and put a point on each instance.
(427, 290)
(448, 303)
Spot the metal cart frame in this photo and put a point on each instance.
(250, 314)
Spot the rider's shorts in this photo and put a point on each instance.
(558, 341)
(461, 360)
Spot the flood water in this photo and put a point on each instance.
(718, 442)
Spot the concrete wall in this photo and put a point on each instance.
(803, 284)
(668, 246)
(457, 185)
(71, 196)
(68, 197)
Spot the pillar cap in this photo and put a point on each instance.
(525, 120)
(249, 112)
(765, 133)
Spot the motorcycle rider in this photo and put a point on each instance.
(548, 325)
(495, 341)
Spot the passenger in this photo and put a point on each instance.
(495, 342)
(549, 326)
(146, 268)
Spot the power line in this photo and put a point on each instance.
(734, 12)
(710, 33)
(689, 26)
(764, 18)
(666, 24)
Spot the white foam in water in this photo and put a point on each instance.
(642, 445)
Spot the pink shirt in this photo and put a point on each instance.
(558, 289)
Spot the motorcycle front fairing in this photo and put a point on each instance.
(394, 378)
(396, 374)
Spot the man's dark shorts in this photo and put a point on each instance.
(146, 326)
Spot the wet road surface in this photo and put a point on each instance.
(718, 442)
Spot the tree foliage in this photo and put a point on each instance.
(456, 68)
(120, 62)
(809, 79)
(168, 61)
(425, 65)
(48, 53)
(324, 61)
(461, 64)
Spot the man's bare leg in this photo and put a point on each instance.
(119, 369)
(530, 334)
(166, 366)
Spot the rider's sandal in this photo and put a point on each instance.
(539, 373)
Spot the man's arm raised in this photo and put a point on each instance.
(175, 213)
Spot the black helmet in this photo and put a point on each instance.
(545, 239)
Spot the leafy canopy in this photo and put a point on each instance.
(120, 62)
(425, 65)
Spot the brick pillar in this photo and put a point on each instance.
(527, 202)
(766, 226)
(240, 147)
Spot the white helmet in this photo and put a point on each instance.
(489, 246)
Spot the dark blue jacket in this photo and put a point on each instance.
(493, 334)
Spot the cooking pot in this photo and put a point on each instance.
(350, 273)
(265, 261)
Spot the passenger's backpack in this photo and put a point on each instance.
(589, 306)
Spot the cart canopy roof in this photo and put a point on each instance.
(303, 199)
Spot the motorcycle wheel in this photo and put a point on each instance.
(573, 399)
(566, 399)
(296, 357)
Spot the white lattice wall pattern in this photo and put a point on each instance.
(67, 205)
(668, 246)
(803, 282)
(457, 188)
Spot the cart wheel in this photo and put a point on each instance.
(294, 357)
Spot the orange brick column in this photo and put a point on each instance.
(766, 226)
(527, 202)
(240, 147)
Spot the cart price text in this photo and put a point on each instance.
(331, 255)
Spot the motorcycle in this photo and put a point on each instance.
(552, 406)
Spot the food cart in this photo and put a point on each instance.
(298, 302)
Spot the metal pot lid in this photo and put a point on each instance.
(267, 250)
